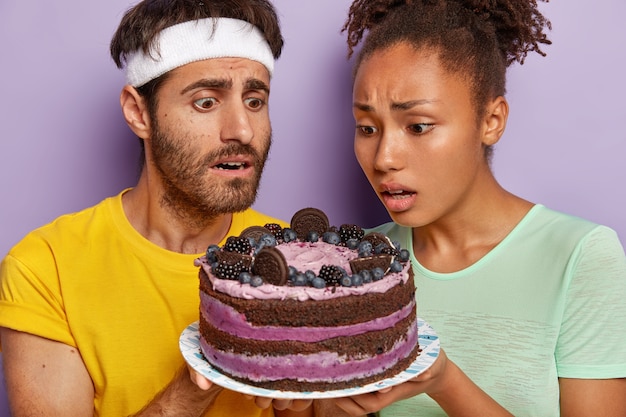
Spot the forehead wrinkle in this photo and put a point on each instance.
(394, 106)
(407, 105)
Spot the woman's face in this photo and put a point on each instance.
(417, 136)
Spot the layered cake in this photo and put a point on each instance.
(308, 307)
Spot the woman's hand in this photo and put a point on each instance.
(430, 380)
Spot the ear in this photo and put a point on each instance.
(497, 113)
(135, 112)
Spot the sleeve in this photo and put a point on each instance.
(30, 293)
(592, 338)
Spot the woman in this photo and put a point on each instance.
(528, 303)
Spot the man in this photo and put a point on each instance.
(92, 304)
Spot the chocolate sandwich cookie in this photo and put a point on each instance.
(307, 220)
(271, 265)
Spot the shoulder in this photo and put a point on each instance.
(76, 226)
(554, 226)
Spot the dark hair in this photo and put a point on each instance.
(141, 24)
(477, 39)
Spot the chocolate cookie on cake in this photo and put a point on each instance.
(311, 307)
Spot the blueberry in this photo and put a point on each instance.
(378, 273)
(395, 266)
(331, 237)
(289, 235)
(292, 271)
(364, 249)
(346, 281)
(210, 253)
(380, 248)
(352, 243)
(300, 280)
(310, 275)
(245, 277)
(268, 239)
(396, 244)
(404, 255)
(319, 282)
(312, 236)
(256, 281)
(357, 280)
(366, 274)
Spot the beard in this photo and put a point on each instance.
(190, 192)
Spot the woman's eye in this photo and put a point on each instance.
(205, 103)
(366, 130)
(420, 128)
(254, 103)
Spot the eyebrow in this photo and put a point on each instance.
(218, 83)
(405, 105)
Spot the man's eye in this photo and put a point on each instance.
(254, 103)
(205, 103)
(366, 130)
(420, 128)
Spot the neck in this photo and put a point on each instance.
(462, 237)
(172, 231)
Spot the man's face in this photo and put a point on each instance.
(211, 135)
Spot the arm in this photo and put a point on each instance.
(44, 377)
(444, 382)
(48, 378)
(593, 397)
(186, 396)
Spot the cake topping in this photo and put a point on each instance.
(325, 256)
(271, 265)
(255, 232)
(309, 219)
(382, 261)
(238, 244)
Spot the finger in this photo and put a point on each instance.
(199, 380)
(263, 402)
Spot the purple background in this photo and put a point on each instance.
(65, 146)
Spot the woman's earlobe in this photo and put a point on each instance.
(135, 111)
(495, 120)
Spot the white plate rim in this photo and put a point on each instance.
(189, 344)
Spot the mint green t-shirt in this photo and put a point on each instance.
(547, 302)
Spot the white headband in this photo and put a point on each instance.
(197, 40)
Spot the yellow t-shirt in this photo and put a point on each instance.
(91, 281)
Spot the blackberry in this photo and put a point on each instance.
(225, 270)
(238, 244)
(350, 231)
(332, 274)
(385, 249)
(276, 230)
